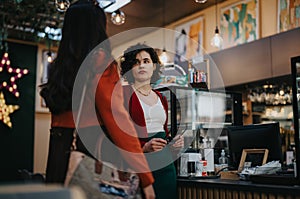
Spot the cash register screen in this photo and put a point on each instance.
(256, 136)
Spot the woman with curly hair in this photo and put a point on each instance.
(140, 66)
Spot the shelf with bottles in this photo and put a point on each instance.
(276, 119)
(200, 86)
(198, 74)
(190, 73)
(283, 112)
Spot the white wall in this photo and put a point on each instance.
(268, 26)
(41, 141)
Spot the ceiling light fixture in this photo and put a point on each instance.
(112, 5)
(217, 40)
(62, 5)
(118, 17)
(200, 1)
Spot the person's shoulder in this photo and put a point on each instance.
(111, 67)
(127, 92)
(112, 64)
(127, 89)
(158, 93)
(126, 86)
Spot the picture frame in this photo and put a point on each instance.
(256, 157)
(42, 76)
(189, 40)
(288, 16)
(239, 23)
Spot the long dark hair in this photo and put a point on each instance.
(129, 60)
(83, 29)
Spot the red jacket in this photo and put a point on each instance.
(110, 111)
(134, 107)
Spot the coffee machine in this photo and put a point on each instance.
(189, 163)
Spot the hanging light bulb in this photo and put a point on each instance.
(49, 57)
(200, 1)
(217, 40)
(62, 5)
(118, 17)
(163, 57)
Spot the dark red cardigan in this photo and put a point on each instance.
(134, 107)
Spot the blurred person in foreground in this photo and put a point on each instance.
(83, 29)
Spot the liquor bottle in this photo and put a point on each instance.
(223, 160)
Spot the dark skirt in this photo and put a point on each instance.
(165, 185)
(58, 155)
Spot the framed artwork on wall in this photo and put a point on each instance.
(239, 23)
(189, 40)
(288, 15)
(42, 76)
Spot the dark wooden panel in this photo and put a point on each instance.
(233, 189)
(284, 46)
(16, 143)
(245, 63)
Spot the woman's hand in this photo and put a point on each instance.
(149, 192)
(178, 142)
(155, 144)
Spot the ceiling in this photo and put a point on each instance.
(24, 18)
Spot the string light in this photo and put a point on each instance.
(11, 85)
(6, 110)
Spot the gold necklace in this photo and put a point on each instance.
(145, 94)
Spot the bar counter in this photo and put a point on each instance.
(233, 189)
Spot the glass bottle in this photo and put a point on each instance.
(223, 160)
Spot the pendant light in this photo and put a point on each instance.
(163, 57)
(118, 17)
(49, 57)
(62, 5)
(217, 40)
(49, 53)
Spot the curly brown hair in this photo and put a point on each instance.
(129, 60)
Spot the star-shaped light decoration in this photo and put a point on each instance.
(11, 86)
(6, 110)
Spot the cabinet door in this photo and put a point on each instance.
(284, 46)
(245, 63)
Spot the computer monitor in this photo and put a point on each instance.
(255, 136)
